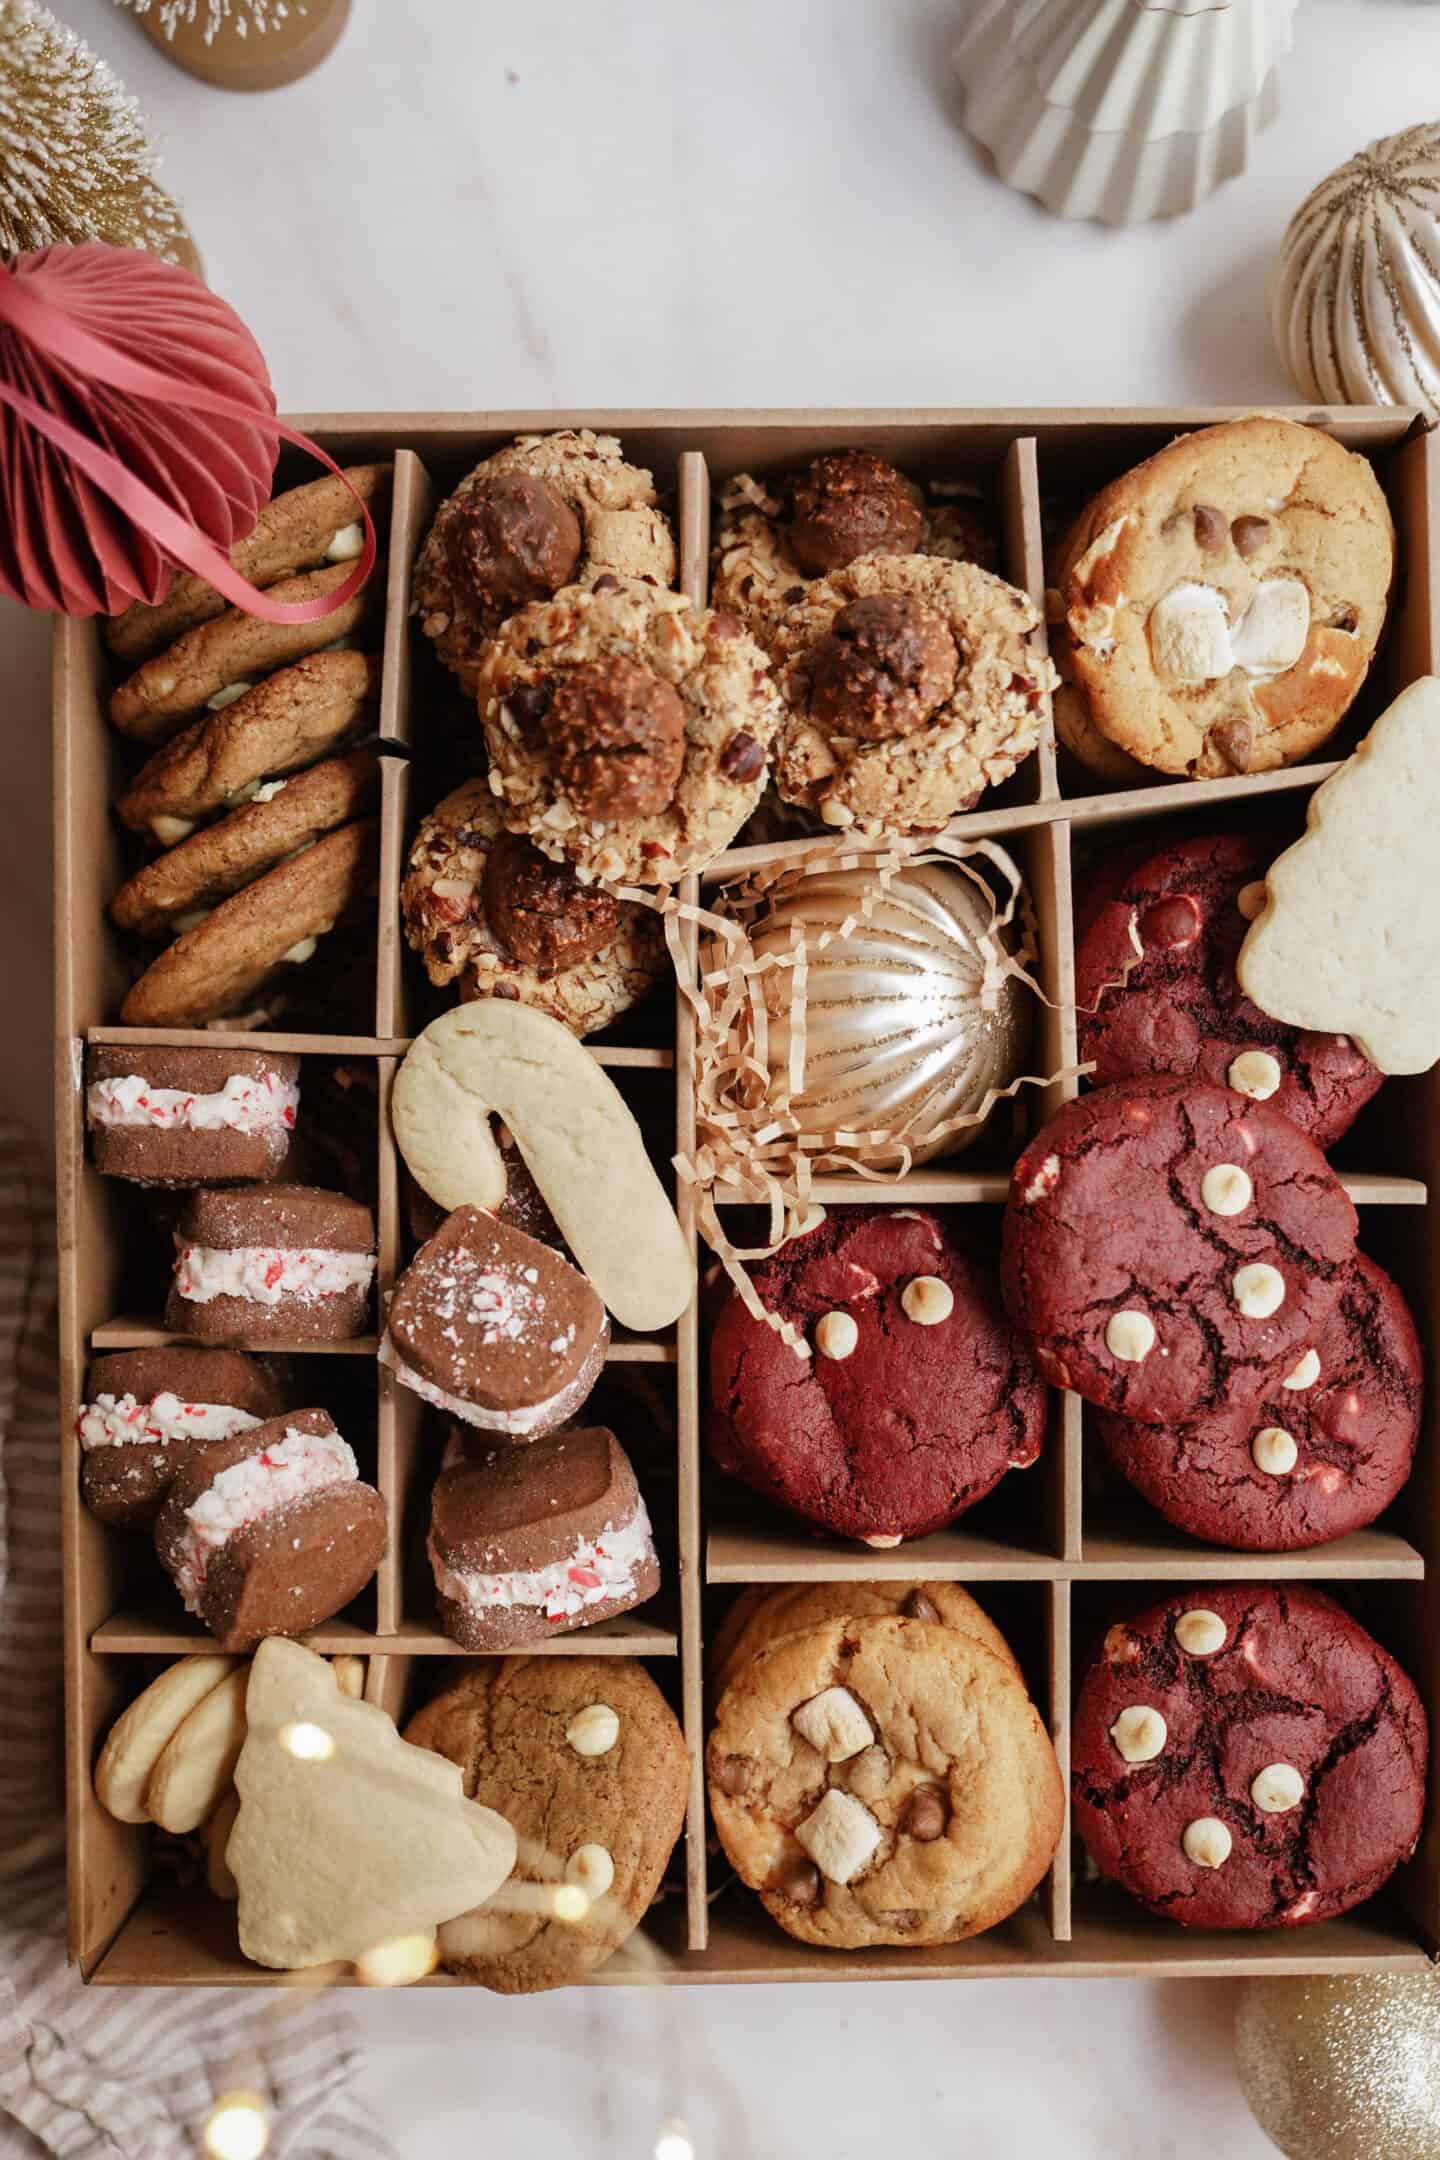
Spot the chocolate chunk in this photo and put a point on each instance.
(799, 1880)
(792, 594)
(851, 504)
(919, 1607)
(742, 758)
(1250, 534)
(541, 911)
(732, 1773)
(618, 734)
(528, 703)
(1232, 738)
(506, 990)
(887, 663)
(608, 583)
(511, 540)
(1346, 619)
(926, 1816)
(1211, 529)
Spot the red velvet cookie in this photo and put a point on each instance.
(1170, 1250)
(918, 1397)
(1248, 1758)
(1179, 1009)
(1323, 1453)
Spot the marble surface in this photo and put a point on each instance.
(766, 202)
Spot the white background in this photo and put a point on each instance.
(481, 203)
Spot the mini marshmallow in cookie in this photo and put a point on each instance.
(186, 1117)
(145, 1413)
(495, 1328)
(272, 1263)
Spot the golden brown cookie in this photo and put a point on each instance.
(1224, 600)
(546, 512)
(883, 1782)
(760, 1616)
(584, 1757)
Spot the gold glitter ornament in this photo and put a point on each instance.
(75, 161)
(1343, 2069)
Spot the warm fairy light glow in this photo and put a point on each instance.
(399, 1962)
(571, 1903)
(674, 2142)
(310, 1742)
(237, 2127)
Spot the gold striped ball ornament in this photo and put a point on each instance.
(1355, 305)
(1343, 2069)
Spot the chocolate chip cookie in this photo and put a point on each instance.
(585, 1758)
(883, 1781)
(1248, 1757)
(1224, 600)
(548, 511)
(760, 1616)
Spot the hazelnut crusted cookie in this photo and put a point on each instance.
(549, 511)
(883, 1782)
(1224, 600)
(628, 732)
(910, 684)
(487, 908)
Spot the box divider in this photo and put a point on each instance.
(1025, 567)
(412, 503)
(389, 1578)
(1057, 1888)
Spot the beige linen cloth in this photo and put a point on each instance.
(105, 2073)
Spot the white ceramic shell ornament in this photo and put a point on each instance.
(1356, 300)
(1121, 110)
(897, 1021)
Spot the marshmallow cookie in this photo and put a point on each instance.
(145, 1413)
(1171, 1251)
(1224, 600)
(487, 908)
(883, 1782)
(272, 1263)
(761, 1615)
(1246, 1757)
(189, 1117)
(911, 684)
(530, 1542)
(629, 733)
(548, 511)
(495, 1328)
(585, 1758)
(774, 539)
(271, 1531)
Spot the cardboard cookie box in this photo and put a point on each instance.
(1055, 1553)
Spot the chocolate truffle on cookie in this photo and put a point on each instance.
(530, 1542)
(1246, 1757)
(918, 1396)
(629, 733)
(1170, 1250)
(549, 511)
(911, 684)
(583, 1755)
(272, 1263)
(1325, 1450)
(496, 1328)
(189, 1117)
(271, 1531)
(1156, 989)
(1224, 600)
(145, 1413)
(486, 907)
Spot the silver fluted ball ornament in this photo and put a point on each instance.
(1356, 301)
(1343, 2069)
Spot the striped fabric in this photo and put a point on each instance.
(106, 2073)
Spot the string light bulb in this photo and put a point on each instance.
(674, 2141)
(310, 1742)
(400, 1962)
(237, 2127)
(569, 1902)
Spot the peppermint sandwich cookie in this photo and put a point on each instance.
(146, 1411)
(272, 1263)
(495, 1328)
(530, 1542)
(271, 1531)
(189, 1117)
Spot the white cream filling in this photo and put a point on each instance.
(245, 1104)
(268, 1273)
(292, 1469)
(598, 1570)
(532, 1417)
(119, 1420)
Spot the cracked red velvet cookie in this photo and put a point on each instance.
(1156, 990)
(917, 1398)
(1171, 1250)
(1248, 1758)
(1322, 1453)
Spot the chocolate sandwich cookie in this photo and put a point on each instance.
(1156, 990)
(1321, 1454)
(189, 1117)
(486, 908)
(530, 1542)
(271, 1531)
(282, 819)
(1171, 1250)
(156, 701)
(585, 1758)
(495, 1328)
(272, 1263)
(1247, 1757)
(146, 1412)
(259, 934)
(918, 1395)
(219, 763)
(299, 530)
